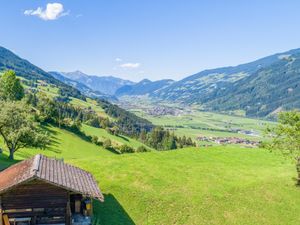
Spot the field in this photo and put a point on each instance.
(191, 121)
(217, 185)
(198, 123)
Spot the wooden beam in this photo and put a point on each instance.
(68, 211)
(1, 212)
(92, 208)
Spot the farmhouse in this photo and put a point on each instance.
(43, 190)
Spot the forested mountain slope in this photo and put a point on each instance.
(274, 87)
(259, 87)
(192, 88)
(23, 68)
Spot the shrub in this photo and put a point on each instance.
(142, 149)
(126, 149)
(94, 139)
(107, 143)
(94, 122)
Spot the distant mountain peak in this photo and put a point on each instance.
(104, 84)
(144, 87)
(145, 81)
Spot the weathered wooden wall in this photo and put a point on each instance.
(35, 198)
(35, 194)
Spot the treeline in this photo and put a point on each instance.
(60, 112)
(128, 123)
(142, 129)
(161, 139)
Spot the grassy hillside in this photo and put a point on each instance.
(218, 185)
(117, 140)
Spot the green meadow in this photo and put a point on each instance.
(216, 185)
(102, 134)
(198, 123)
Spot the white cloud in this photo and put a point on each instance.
(130, 65)
(53, 11)
(118, 60)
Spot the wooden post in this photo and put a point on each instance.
(92, 208)
(1, 212)
(68, 211)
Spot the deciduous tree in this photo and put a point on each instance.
(10, 87)
(18, 129)
(286, 137)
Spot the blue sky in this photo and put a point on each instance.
(155, 39)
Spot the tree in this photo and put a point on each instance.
(143, 135)
(286, 137)
(18, 128)
(142, 149)
(126, 149)
(94, 139)
(169, 142)
(10, 87)
(107, 143)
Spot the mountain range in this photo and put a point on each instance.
(143, 87)
(105, 84)
(81, 87)
(259, 88)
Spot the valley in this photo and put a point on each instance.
(193, 121)
(215, 182)
(237, 89)
(149, 112)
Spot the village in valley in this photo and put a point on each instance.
(229, 140)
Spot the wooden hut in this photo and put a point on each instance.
(43, 190)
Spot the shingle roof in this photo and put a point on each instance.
(52, 171)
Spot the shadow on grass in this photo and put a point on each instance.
(47, 128)
(112, 150)
(5, 162)
(54, 141)
(124, 138)
(80, 134)
(110, 212)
